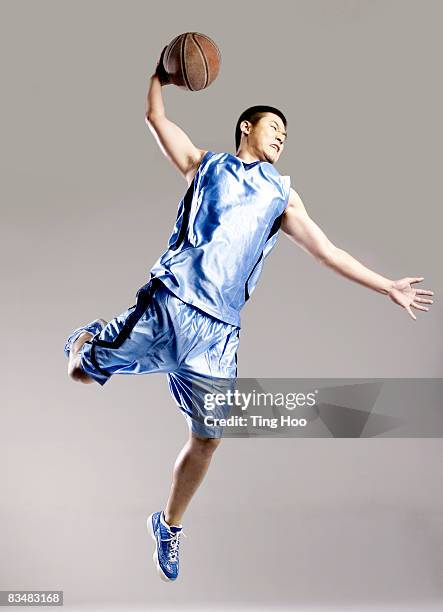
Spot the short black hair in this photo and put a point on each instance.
(253, 114)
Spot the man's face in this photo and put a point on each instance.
(267, 137)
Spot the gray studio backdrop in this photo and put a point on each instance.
(88, 203)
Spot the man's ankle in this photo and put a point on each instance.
(171, 520)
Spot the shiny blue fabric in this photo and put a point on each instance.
(165, 335)
(227, 223)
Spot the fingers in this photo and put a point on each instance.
(417, 299)
(424, 292)
(411, 313)
(418, 307)
(160, 59)
(416, 279)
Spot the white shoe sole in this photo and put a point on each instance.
(160, 572)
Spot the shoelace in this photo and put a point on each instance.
(174, 545)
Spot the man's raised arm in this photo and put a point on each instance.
(297, 224)
(172, 140)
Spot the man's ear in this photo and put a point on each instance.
(245, 127)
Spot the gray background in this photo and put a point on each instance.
(88, 203)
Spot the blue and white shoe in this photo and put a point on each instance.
(167, 543)
(93, 328)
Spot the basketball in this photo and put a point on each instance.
(192, 61)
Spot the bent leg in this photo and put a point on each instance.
(190, 468)
(126, 344)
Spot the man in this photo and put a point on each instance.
(186, 320)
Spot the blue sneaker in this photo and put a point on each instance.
(93, 328)
(167, 542)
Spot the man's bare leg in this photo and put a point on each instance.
(191, 464)
(190, 468)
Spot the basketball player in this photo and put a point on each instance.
(186, 320)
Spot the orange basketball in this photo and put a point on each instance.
(192, 61)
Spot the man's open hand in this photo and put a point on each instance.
(403, 294)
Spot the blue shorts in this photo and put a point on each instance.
(161, 333)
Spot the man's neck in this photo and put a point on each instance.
(247, 157)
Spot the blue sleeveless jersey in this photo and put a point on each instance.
(227, 223)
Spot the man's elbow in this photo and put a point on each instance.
(151, 117)
(328, 255)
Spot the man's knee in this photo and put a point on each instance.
(76, 372)
(205, 445)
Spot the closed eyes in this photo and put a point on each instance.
(276, 129)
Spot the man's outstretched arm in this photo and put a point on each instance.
(172, 140)
(297, 224)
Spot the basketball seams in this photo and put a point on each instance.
(203, 56)
(213, 47)
(170, 49)
(211, 43)
(182, 63)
